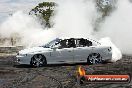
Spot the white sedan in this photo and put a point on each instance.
(60, 51)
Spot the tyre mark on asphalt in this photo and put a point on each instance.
(54, 79)
(35, 72)
(38, 73)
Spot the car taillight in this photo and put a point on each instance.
(109, 49)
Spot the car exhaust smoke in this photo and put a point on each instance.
(116, 53)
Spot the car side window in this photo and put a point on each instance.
(83, 43)
(63, 44)
(66, 43)
(71, 43)
(88, 43)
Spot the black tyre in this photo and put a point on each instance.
(38, 60)
(94, 58)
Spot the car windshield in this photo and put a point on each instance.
(51, 43)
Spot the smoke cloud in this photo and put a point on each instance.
(118, 26)
(73, 18)
(116, 53)
(27, 28)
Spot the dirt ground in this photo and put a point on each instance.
(58, 76)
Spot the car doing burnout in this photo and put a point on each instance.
(60, 51)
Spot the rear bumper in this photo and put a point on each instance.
(107, 57)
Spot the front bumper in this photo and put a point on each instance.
(23, 59)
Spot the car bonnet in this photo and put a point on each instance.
(33, 50)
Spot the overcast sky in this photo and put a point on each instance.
(10, 6)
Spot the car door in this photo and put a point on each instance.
(82, 50)
(62, 54)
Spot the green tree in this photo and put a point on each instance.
(106, 6)
(44, 10)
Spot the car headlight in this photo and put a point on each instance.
(17, 53)
(25, 54)
(21, 54)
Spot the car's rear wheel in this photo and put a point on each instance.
(94, 58)
(38, 60)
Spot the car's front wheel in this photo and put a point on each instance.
(38, 60)
(94, 58)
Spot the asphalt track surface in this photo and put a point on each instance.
(13, 75)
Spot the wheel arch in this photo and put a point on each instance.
(88, 61)
(38, 54)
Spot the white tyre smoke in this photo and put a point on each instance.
(73, 18)
(116, 53)
(27, 28)
(118, 26)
